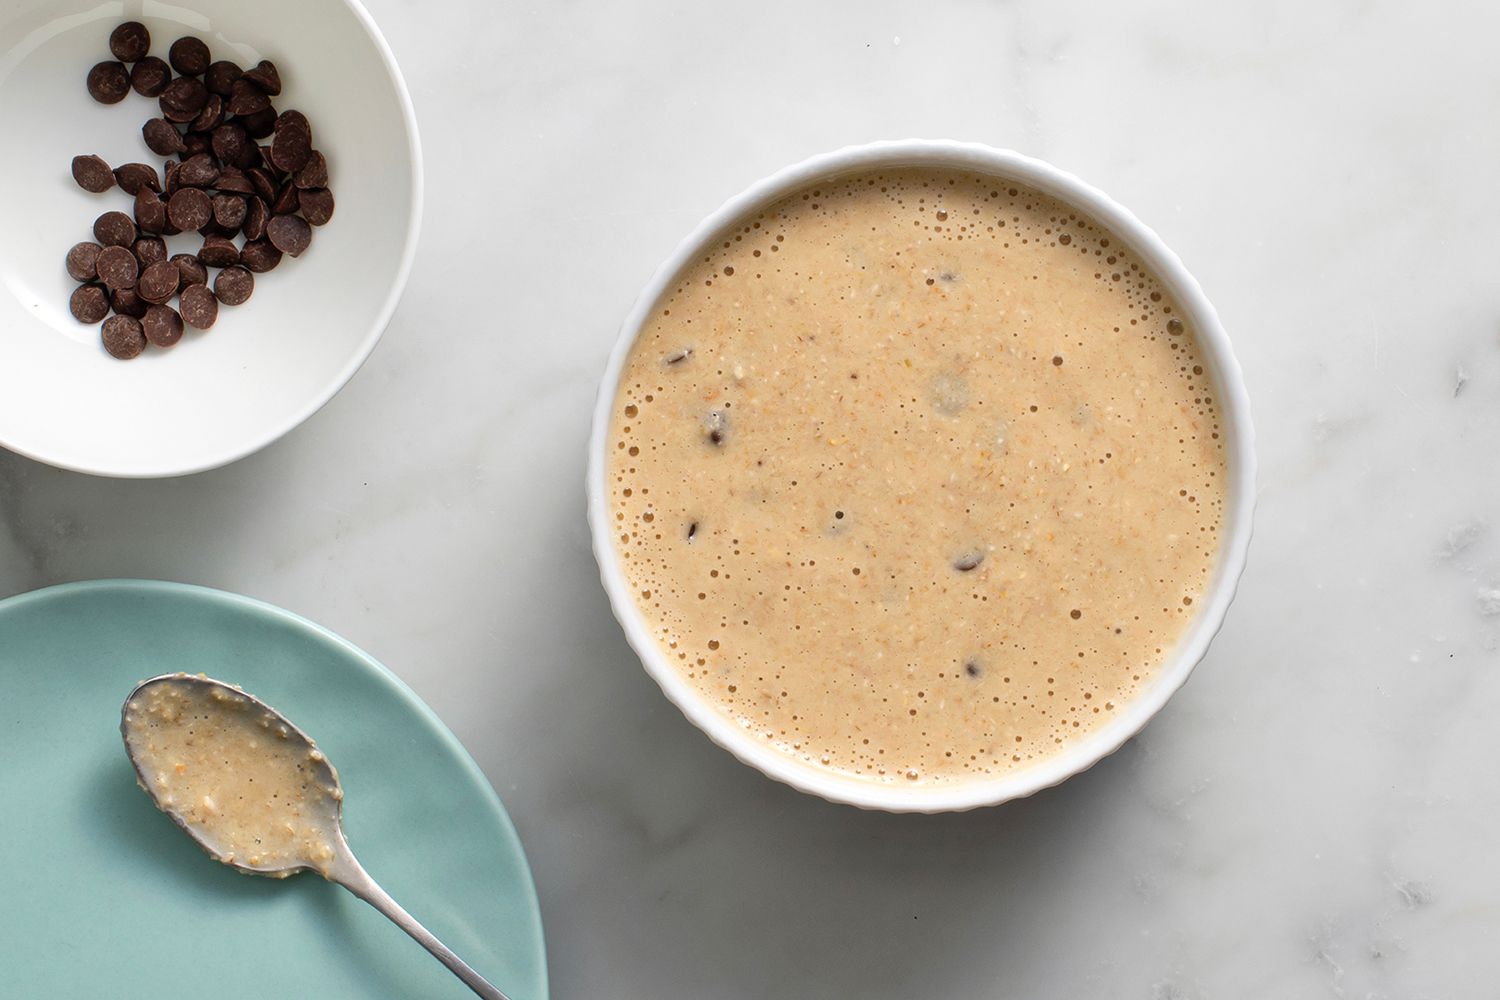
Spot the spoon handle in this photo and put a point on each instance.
(352, 876)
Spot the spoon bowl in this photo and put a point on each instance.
(198, 745)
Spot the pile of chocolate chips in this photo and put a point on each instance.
(221, 184)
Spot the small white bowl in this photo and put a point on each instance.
(266, 365)
(1239, 503)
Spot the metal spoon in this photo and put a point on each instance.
(154, 721)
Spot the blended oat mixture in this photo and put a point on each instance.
(917, 476)
(228, 768)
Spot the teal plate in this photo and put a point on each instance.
(100, 895)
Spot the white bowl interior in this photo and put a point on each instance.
(1239, 449)
(265, 365)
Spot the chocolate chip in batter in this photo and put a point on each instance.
(966, 561)
(716, 427)
(678, 357)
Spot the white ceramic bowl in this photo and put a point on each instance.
(1239, 448)
(266, 365)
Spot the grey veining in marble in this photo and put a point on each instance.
(1314, 815)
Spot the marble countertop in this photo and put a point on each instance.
(1314, 815)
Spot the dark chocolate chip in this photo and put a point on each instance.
(149, 250)
(81, 261)
(233, 180)
(219, 78)
(114, 229)
(264, 76)
(692, 531)
(89, 303)
(314, 174)
(264, 184)
(130, 42)
(198, 171)
(199, 307)
(170, 184)
(291, 145)
(317, 205)
(210, 117)
(93, 174)
(109, 82)
(195, 144)
(973, 669)
(259, 256)
(234, 285)
(965, 561)
(183, 99)
(258, 124)
(117, 267)
(256, 217)
(289, 233)
(162, 326)
(219, 251)
(126, 302)
(150, 76)
(287, 200)
(189, 56)
(133, 177)
(189, 209)
(229, 211)
(190, 270)
(245, 98)
(162, 137)
(158, 283)
(229, 142)
(678, 357)
(123, 337)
